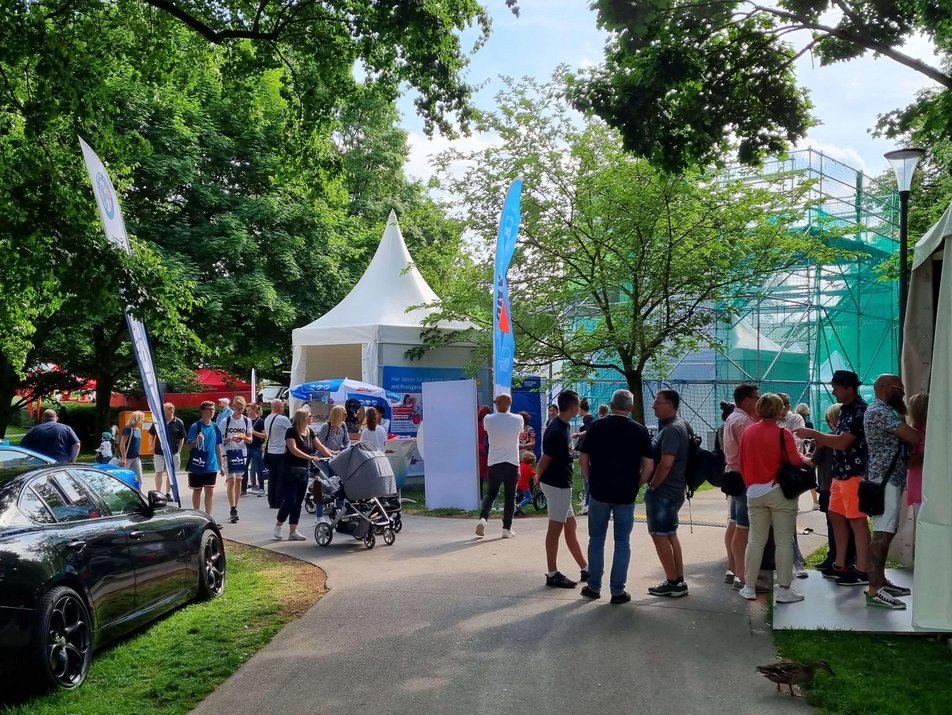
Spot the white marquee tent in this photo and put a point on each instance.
(927, 366)
(372, 326)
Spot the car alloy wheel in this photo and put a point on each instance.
(66, 640)
(211, 565)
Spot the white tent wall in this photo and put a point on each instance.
(376, 323)
(927, 366)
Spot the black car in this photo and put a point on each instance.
(85, 559)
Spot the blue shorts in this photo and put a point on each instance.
(739, 513)
(661, 513)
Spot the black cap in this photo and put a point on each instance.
(845, 378)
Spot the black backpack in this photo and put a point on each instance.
(704, 465)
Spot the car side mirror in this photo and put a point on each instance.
(157, 500)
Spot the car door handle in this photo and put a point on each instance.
(136, 535)
(76, 545)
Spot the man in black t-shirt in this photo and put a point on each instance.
(555, 474)
(616, 457)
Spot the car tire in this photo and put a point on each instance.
(211, 566)
(62, 644)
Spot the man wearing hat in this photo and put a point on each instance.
(850, 458)
(503, 429)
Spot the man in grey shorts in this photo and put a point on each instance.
(555, 474)
(175, 429)
(887, 435)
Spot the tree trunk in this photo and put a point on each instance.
(634, 380)
(8, 392)
(104, 384)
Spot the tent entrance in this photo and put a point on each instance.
(324, 361)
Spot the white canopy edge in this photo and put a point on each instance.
(927, 366)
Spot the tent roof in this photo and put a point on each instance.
(215, 379)
(385, 291)
(933, 238)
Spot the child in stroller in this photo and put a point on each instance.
(363, 519)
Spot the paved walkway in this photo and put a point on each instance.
(443, 622)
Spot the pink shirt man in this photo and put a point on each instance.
(734, 427)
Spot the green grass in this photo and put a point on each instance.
(168, 668)
(876, 674)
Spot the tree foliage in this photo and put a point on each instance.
(241, 206)
(619, 265)
(684, 81)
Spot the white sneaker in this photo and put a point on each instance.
(508, 533)
(749, 593)
(481, 527)
(584, 510)
(786, 595)
(800, 572)
(277, 533)
(296, 536)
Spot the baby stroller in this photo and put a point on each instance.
(353, 485)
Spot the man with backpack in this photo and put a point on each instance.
(236, 429)
(666, 491)
(738, 524)
(615, 459)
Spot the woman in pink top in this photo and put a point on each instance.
(918, 407)
(760, 459)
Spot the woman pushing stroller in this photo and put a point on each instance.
(304, 448)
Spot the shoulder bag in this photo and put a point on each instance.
(793, 480)
(198, 457)
(872, 495)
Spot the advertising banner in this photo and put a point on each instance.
(115, 230)
(504, 342)
(407, 383)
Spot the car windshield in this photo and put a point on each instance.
(10, 457)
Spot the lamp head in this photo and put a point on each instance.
(904, 162)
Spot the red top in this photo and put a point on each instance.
(526, 473)
(760, 455)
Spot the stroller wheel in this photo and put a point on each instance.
(323, 534)
(397, 524)
(388, 536)
(370, 540)
(378, 530)
(309, 506)
(539, 501)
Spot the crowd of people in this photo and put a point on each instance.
(867, 444)
(617, 456)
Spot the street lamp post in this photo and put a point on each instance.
(903, 162)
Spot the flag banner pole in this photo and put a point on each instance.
(504, 342)
(115, 229)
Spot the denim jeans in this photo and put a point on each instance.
(624, 521)
(253, 474)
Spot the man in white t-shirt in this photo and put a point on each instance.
(276, 426)
(503, 429)
(236, 431)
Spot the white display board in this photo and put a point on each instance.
(452, 462)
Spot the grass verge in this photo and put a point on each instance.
(174, 663)
(876, 674)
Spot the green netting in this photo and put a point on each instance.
(789, 336)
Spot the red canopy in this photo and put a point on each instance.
(215, 379)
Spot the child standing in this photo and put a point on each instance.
(524, 486)
(104, 453)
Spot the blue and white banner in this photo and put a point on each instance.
(504, 342)
(115, 230)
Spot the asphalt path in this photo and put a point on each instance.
(445, 622)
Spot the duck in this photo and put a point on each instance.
(790, 672)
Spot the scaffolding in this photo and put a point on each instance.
(790, 334)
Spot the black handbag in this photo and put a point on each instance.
(872, 495)
(793, 480)
(732, 484)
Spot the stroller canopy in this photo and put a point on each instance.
(364, 472)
